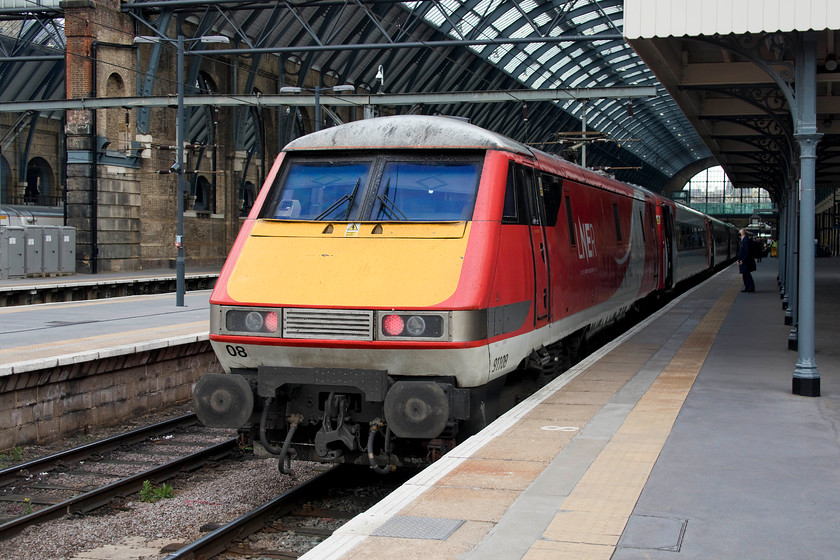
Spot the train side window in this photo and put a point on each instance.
(572, 240)
(642, 225)
(521, 206)
(510, 213)
(552, 188)
(617, 223)
(525, 176)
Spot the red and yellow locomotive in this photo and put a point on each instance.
(396, 274)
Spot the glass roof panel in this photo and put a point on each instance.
(574, 64)
(523, 31)
(585, 16)
(449, 6)
(549, 54)
(509, 18)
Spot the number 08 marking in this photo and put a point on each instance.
(236, 351)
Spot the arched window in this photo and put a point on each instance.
(203, 190)
(712, 192)
(117, 130)
(39, 183)
(247, 196)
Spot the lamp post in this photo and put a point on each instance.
(318, 89)
(178, 166)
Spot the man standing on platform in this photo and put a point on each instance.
(746, 263)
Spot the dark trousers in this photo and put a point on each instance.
(749, 285)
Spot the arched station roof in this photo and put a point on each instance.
(422, 47)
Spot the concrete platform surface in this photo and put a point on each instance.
(40, 336)
(681, 439)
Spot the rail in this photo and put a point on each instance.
(98, 497)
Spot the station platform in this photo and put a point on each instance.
(681, 439)
(34, 337)
(82, 287)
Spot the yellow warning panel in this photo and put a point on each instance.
(549, 550)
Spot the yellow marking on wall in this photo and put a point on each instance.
(595, 513)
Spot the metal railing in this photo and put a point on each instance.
(35, 200)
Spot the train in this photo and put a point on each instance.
(23, 215)
(398, 277)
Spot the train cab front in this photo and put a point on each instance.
(351, 315)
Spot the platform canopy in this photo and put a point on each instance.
(732, 68)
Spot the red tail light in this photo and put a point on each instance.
(271, 321)
(392, 325)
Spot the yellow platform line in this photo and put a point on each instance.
(595, 513)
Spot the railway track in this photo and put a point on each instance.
(296, 521)
(93, 475)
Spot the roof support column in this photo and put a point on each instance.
(792, 257)
(782, 241)
(806, 376)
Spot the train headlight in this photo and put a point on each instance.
(411, 325)
(251, 321)
(416, 325)
(254, 321)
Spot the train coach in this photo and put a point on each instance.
(398, 276)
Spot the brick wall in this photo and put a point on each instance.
(43, 406)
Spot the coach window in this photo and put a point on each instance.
(651, 221)
(617, 223)
(642, 225)
(552, 188)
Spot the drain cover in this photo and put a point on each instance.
(431, 528)
(653, 532)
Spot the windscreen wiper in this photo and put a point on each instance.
(335, 205)
(388, 205)
(352, 198)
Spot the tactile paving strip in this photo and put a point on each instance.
(430, 528)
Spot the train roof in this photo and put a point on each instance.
(407, 131)
(436, 132)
